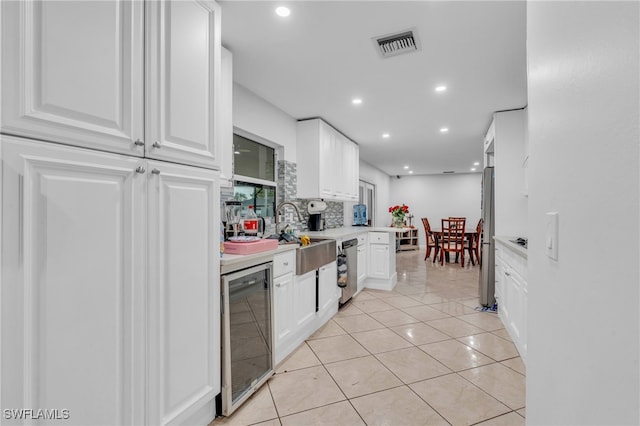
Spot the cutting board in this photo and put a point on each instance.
(251, 247)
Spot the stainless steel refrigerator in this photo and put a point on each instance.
(487, 255)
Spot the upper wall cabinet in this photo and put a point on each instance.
(225, 124)
(72, 72)
(77, 73)
(328, 162)
(183, 81)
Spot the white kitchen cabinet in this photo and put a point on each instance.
(328, 290)
(381, 261)
(74, 73)
(352, 169)
(183, 81)
(225, 124)
(512, 292)
(73, 282)
(283, 303)
(110, 294)
(184, 293)
(305, 299)
(362, 260)
(329, 168)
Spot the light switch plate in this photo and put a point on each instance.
(551, 235)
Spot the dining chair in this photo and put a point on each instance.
(473, 243)
(452, 239)
(431, 241)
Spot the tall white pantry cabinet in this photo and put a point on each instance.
(109, 292)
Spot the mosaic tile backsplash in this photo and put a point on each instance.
(287, 190)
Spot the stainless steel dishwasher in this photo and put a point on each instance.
(350, 248)
(247, 333)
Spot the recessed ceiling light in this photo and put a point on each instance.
(406, 167)
(386, 135)
(444, 130)
(473, 169)
(236, 152)
(356, 101)
(476, 163)
(410, 172)
(441, 88)
(283, 11)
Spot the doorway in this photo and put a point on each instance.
(367, 196)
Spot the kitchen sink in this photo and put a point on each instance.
(318, 253)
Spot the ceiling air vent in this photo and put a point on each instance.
(397, 44)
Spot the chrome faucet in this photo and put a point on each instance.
(280, 206)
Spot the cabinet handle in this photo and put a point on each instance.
(507, 274)
(156, 144)
(155, 171)
(139, 142)
(278, 285)
(140, 169)
(285, 263)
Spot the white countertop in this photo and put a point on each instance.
(516, 248)
(345, 232)
(232, 262)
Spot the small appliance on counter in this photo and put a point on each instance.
(316, 209)
(524, 242)
(360, 215)
(233, 213)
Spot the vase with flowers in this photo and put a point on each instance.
(397, 214)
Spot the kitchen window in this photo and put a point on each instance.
(254, 169)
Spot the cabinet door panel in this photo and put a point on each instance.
(184, 291)
(379, 261)
(73, 292)
(283, 308)
(327, 286)
(362, 266)
(305, 296)
(72, 72)
(184, 56)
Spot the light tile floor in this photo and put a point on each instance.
(418, 355)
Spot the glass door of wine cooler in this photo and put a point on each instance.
(247, 334)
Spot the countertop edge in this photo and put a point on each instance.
(347, 231)
(519, 250)
(227, 261)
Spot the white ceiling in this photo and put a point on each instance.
(312, 63)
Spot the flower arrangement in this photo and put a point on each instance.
(398, 213)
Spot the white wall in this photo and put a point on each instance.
(436, 197)
(583, 310)
(253, 114)
(509, 151)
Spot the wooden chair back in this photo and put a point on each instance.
(452, 238)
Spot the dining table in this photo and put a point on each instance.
(469, 235)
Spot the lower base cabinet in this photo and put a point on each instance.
(362, 265)
(302, 304)
(328, 290)
(381, 261)
(304, 291)
(110, 286)
(512, 294)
